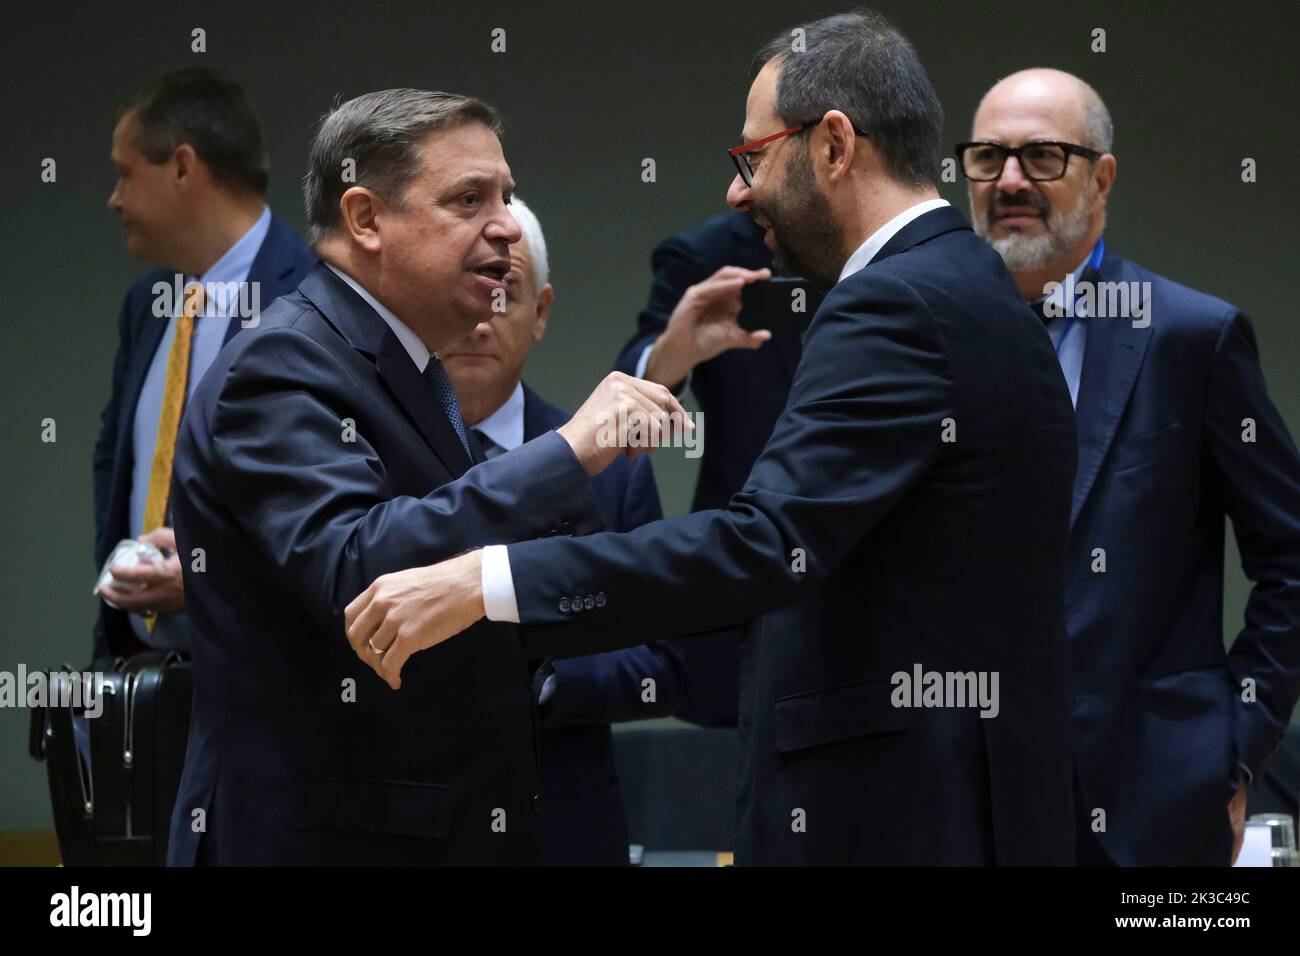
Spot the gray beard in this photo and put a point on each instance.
(1023, 253)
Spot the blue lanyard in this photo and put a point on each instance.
(1094, 263)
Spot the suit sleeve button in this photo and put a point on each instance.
(589, 602)
(564, 605)
(600, 599)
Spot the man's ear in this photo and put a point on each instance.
(1103, 175)
(543, 312)
(358, 217)
(839, 143)
(184, 162)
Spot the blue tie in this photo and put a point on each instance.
(441, 382)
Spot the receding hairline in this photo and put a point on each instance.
(1086, 97)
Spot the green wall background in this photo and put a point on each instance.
(588, 92)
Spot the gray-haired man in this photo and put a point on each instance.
(326, 447)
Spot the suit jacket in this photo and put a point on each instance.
(313, 458)
(910, 511)
(280, 265)
(583, 822)
(741, 393)
(1164, 458)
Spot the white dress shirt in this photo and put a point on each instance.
(505, 426)
(499, 602)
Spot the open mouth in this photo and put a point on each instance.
(494, 272)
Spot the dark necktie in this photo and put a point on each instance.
(441, 382)
(490, 448)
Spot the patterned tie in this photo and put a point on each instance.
(490, 448)
(169, 418)
(441, 382)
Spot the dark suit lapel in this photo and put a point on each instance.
(534, 419)
(271, 267)
(369, 334)
(151, 334)
(1112, 356)
(421, 403)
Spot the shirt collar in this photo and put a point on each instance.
(233, 267)
(413, 344)
(235, 264)
(505, 426)
(876, 241)
(1066, 286)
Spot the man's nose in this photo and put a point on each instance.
(504, 227)
(114, 203)
(1012, 179)
(483, 330)
(739, 195)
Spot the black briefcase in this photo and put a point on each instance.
(114, 809)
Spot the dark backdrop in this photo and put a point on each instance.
(588, 92)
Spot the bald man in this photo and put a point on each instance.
(1176, 434)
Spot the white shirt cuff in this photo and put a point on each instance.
(498, 585)
(644, 360)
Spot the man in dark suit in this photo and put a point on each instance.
(690, 333)
(904, 529)
(326, 446)
(583, 821)
(1176, 434)
(191, 191)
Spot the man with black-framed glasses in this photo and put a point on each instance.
(1176, 434)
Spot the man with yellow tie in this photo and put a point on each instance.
(191, 173)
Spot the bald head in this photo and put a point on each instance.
(1054, 100)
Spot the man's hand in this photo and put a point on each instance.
(704, 325)
(1237, 816)
(411, 610)
(163, 591)
(620, 411)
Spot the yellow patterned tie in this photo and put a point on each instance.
(169, 419)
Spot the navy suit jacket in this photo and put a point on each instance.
(741, 393)
(1159, 714)
(279, 266)
(911, 509)
(313, 458)
(583, 822)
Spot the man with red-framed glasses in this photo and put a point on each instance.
(903, 697)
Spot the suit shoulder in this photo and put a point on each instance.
(1176, 309)
(303, 257)
(140, 293)
(291, 342)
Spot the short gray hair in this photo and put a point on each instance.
(532, 230)
(379, 133)
(1098, 130)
